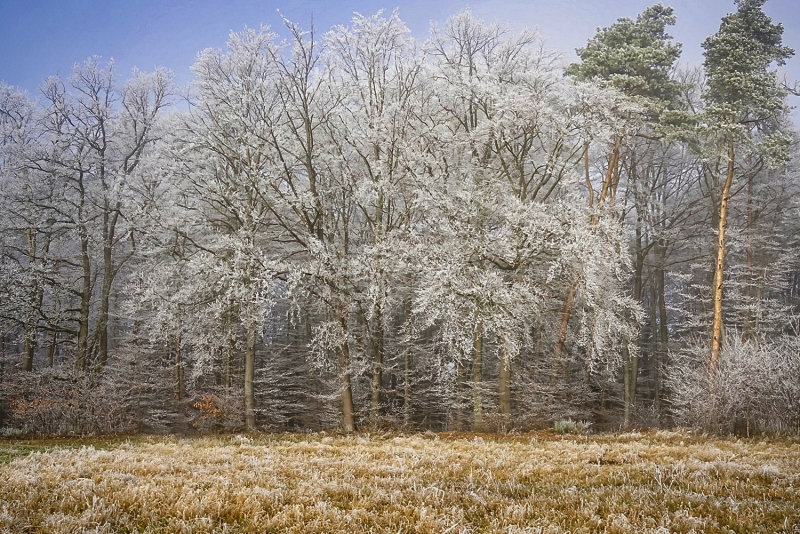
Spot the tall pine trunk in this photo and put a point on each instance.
(719, 268)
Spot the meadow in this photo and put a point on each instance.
(542, 482)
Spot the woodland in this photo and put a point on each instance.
(357, 229)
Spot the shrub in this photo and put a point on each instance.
(218, 413)
(568, 426)
(60, 402)
(756, 388)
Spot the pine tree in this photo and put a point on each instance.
(635, 57)
(743, 98)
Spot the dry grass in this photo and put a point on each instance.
(655, 482)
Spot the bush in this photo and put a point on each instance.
(756, 389)
(218, 413)
(60, 402)
(568, 426)
(8, 432)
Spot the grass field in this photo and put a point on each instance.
(652, 482)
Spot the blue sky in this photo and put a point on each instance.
(43, 37)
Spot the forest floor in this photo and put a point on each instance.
(434, 483)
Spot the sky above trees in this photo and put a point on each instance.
(47, 37)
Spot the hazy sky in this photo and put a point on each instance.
(43, 37)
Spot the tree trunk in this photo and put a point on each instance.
(406, 388)
(29, 348)
(377, 362)
(249, 373)
(377, 315)
(631, 369)
(655, 349)
(749, 329)
(31, 330)
(82, 356)
(630, 379)
(458, 422)
(102, 326)
(348, 416)
(564, 327)
(51, 350)
(477, 377)
(586, 173)
(504, 384)
(229, 356)
(719, 269)
(348, 410)
(626, 387)
(611, 179)
(105, 305)
(2, 356)
(663, 327)
(179, 387)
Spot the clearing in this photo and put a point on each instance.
(433, 483)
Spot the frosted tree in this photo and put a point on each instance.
(22, 237)
(227, 178)
(374, 135)
(96, 135)
(505, 221)
(459, 286)
(168, 291)
(316, 206)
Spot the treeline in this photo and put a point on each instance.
(359, 229)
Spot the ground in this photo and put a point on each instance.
(430, 483)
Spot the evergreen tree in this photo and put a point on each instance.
(636, 58)
(633, 56)
(744, 104)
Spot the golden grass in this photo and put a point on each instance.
(653, 482)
